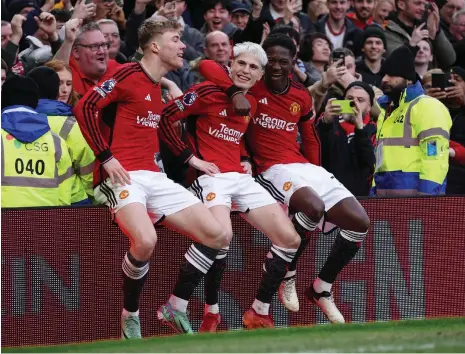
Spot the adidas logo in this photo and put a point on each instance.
(147, 98)
(223, 113)
(263, 100)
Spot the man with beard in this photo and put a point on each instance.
(373, 48)
(291, 176)
(362, 14)
(412, 152)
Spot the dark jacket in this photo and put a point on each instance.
(368, 76)
(350, 158)
(456, 174)
(351, 36)
(251, 33)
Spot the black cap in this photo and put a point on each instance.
(47, 80)
(20, 90)
(365, 86)
(459, 71)
(373, 31)
(237, 6)
(400, 63)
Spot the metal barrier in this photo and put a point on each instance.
(61, 271)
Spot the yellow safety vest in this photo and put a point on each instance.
(81, 154)
(35, 174)
(412, 153)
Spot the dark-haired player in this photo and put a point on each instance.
(215, 135)
(309, 190)
(127, 179)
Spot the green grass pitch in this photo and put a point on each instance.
(437, 335)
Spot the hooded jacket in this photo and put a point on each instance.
(63, 123)
(34, 184)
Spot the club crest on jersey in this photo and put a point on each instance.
(124, 194)
(295, 109)
(287, 186)
(108, 85)
(246, 119)
(189, 98)
(210, 196)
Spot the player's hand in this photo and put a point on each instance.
(173, 92)
(241, 104)
(116, 172)
(204, 166)
(247, 166)
(331, 111)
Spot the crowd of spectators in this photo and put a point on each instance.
(65, 47)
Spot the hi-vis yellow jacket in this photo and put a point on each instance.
(36, 166)
(64, 124)
(412, 153)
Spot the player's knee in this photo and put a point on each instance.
(362, 223)
(143, 245)
(292, 239)
(228, 235)
(315, 209)
(216, 236)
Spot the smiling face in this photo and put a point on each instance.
(280, 65)
(382, 10)
(424, 54)
(373, 48)
(171, 49)
(91, 53)
(364, 8)
(246, 70)
(338, 9)
(217, 18)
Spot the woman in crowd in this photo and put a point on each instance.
(66, 93)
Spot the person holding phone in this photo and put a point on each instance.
(347, 138)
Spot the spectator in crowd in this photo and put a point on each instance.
(111, 11)
(413, 133)
(4, 71)
(424, 57)
(373, 48)
(21, 7)
(317, 9)
(348, 139)
(66, 93)
(276, 10)
(401, 30)
(457, 27)
(61, 16)
(6, 33)
(454, 99)
(217, 48)
(315, 53)
(89, 59)
(191, 37)
(340, 30)
(447, 12)
(456, 175)
(381, 12)
(62, 122)
(240, 14)
(362, 12)
(37, 166)
(217, 16)
(111, 33)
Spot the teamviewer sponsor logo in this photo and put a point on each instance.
(274, 123)
(226, 133)
(151, 121)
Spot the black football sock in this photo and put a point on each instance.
(214, 276)
(304, 226)
(134, 276)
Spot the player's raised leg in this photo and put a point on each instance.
(273, 222)
(212, 318)
(199, 223)
(352, 219)
(309, 210)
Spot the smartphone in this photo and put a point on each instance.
(338, 55)
(346, 106)
(440, 80)
(428, 9)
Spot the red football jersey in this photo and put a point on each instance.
(215, 132)
(272, 136)
(131, 137)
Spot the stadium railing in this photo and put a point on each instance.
(61, 271)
